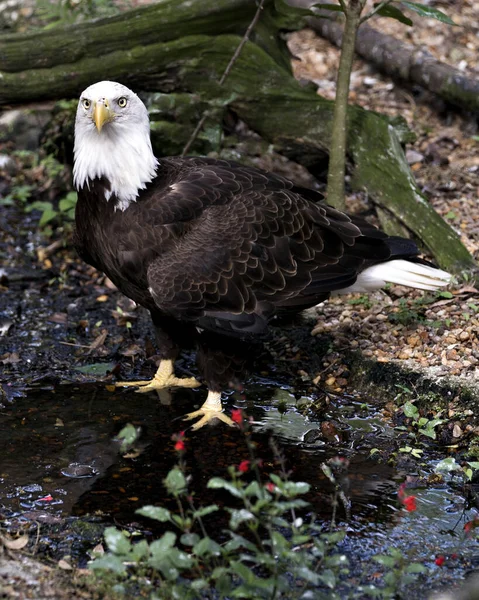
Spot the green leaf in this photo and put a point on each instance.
(280, 522)
(337, 560)
(180, 559)
(245, 573)
(310, 576)
(116, 541)
(160, 549)
(394, 13)
(434, 423)
(416, 568)
(237, 542)
(239, 516)
(206, 510)
(253, 489)
(21, 193)
(296, 487)
(47, 210)
(175, 481)
(48, 215)
(207, 546)
(181, 522)
(428, 11)
(410, 410)
(97, 369)
(279, 541)
(128, 436)
(334, 538)
(447, 465)
(386, 561)
(216, 483)
(288, 505)
(68, 202)
(300, 539)
(251, 581)
(140, 550)
(38, 205)
(223, 581)
(430, 433)
(447, 295)
(276, 480)
(328, 578)
(109, 562)
(155, 512)
(396, 553)
(189, 539)
(166, 568)
(198, 585)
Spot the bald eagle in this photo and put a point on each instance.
(214, 249)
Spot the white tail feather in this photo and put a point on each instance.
(401, 272)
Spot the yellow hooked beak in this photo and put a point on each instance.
(102, 113)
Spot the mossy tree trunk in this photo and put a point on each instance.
(176, 47)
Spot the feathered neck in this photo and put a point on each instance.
(120, 153)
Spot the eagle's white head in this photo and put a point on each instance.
(112, 140)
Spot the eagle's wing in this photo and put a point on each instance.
(251, 243)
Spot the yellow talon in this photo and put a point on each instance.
(163, 378)
(210, 410)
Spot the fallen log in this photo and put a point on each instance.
(259, 89)
(406, 62)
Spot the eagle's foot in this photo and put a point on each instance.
(164, 378)
(211, 409)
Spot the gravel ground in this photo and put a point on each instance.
(436, 332)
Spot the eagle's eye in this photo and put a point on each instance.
(86, 103)
(122, 102)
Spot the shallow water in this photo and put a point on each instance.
(59, 459)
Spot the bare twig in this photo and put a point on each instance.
(227, 71)
(75, 345)
(44, 253)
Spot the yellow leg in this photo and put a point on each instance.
(164, 378)
(211, 409)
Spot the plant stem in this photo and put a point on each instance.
(182, 512)
(337, 157)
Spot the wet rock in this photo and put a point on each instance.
(8, 164)
(414, 157)
(78, 471)
(24, 126)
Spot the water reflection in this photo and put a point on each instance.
(58, 458)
